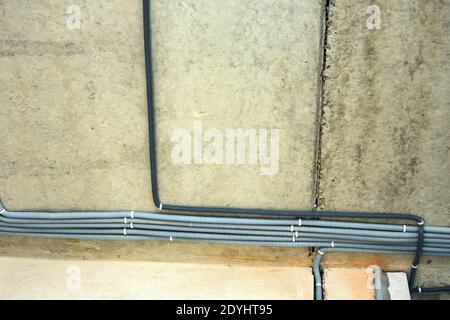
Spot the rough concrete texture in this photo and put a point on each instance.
(433, 271)
(398, 286)
(238, 64)
(385, 129)
(77, 279)
(73, 117)
(347, 284)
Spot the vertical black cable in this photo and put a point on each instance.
(150, 100)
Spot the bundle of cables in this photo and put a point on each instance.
(271, 231)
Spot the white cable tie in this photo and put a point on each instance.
(3, 210)
(299, 222)
(125, 220)
(404, 228)
(318, 284)
(414, 267)
(332, 244)
(170, 239)
(124, 231)
(296, 234)
(419, 289)
(292, 228)
(160, 206)
(131, 225)
(293, 238)
(320, 252)
(132, 214)
(421, 222)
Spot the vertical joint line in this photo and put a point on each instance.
(320, 101)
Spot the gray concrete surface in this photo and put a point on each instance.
(73, 114)
(74, 107)
(385, 127)
(386, 133)
(238, 64)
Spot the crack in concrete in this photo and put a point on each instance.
(326, 4)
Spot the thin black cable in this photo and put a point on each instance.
(228, 210)
(431, 290)
(150, 100)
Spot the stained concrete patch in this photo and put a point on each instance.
(73, 120)
(386, 134)
(77, 279)
(347, 284)
(73, 116)
(398, 286)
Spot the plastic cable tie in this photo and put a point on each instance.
(414, 267)
(124, 231)
(404, 228)
(421, 222)
(299, 222)
(131, 225)
(320, 252)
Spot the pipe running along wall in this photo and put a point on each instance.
(273, 231)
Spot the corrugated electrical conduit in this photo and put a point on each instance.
(262, 231)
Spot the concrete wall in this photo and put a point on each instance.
(73, 118)
(74, 102)
(386, 132)
(385, 125)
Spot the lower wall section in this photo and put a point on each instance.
(24, 278)
(433, 271)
